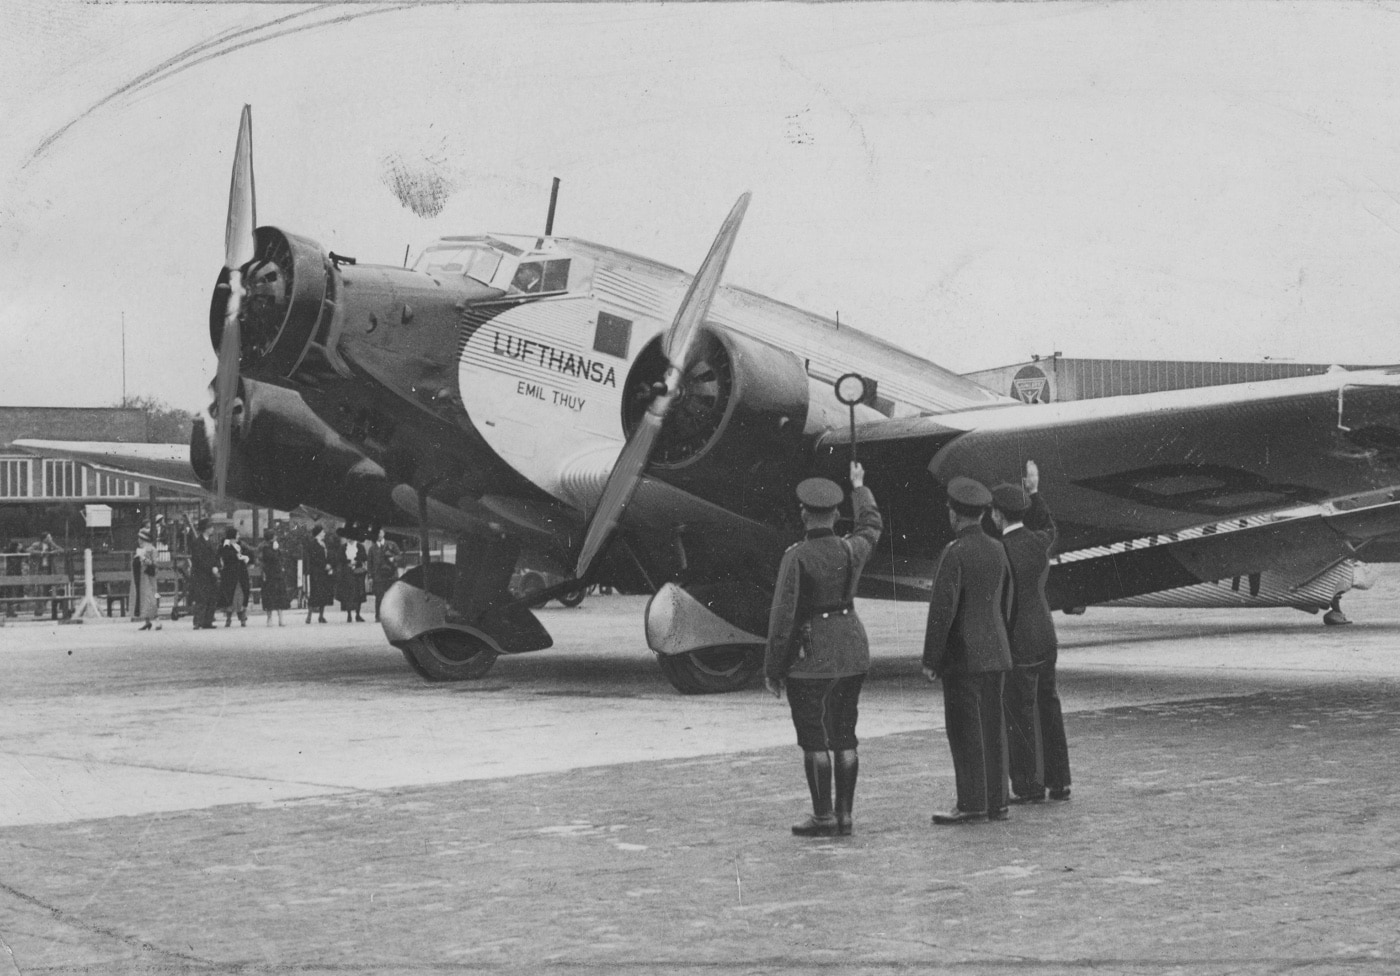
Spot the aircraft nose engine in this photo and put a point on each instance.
(284, 292)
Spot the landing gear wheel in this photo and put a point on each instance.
(448, 655)
(713, 670)
(530, 584)
(574, 597)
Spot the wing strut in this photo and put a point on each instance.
(424, 550)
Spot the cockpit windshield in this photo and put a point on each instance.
(476, 261)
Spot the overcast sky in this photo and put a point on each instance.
(975, 182)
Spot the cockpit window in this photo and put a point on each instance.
(474, 261)
(539, 277)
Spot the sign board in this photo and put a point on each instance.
(98, 516)
(1031, 385)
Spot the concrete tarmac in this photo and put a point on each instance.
(295, 799)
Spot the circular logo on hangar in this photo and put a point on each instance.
(1031, 385)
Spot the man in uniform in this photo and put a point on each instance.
(1035, 725)
(966, 645)
(203, 582)
(817, 646)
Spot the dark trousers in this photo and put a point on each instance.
(1035, 731)
(972, 711)
(824, 711)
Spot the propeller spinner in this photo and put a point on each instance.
(239, 249)
(627, 472)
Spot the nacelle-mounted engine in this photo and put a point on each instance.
(287, 286)
(282, 455)
(737, 423)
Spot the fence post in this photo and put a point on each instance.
(88, 608)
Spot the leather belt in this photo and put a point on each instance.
(841, 611)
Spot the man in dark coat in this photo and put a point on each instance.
(1035, 724)
(204, 584)
(383, 566)
(966, 645)
(234, 583)
(817, 645)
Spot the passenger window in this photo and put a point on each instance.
(613, 335)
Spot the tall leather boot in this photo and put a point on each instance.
(822, 822)
(847, 766)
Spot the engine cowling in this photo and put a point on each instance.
(288, 282)
(284, 455)
(733, 433)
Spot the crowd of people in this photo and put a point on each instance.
(336, 570)
(218, 577)
(989, 639)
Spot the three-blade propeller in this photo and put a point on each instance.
(239, 248)
(627, 472)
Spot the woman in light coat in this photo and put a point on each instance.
(143, 568)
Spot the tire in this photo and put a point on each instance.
(712, 671)
(574, 597)
(448, 655)
(530, 584)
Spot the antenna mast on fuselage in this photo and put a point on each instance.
(553, 198)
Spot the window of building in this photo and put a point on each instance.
(14, 478)
(103, 485)
(60, 479)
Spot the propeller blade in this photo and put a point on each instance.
(622, 482)
(225, 387)
(627, 472)
(240, 246)
(239, 242)
(696, 304)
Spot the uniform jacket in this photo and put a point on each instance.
(1028, 550)
(970, 607)
(822, 570)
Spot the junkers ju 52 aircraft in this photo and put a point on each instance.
(647, 428)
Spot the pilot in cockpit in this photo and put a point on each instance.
(527, 279)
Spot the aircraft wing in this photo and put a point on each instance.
(167, 465)
(1148, 486)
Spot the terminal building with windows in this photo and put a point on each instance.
(69, 499)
